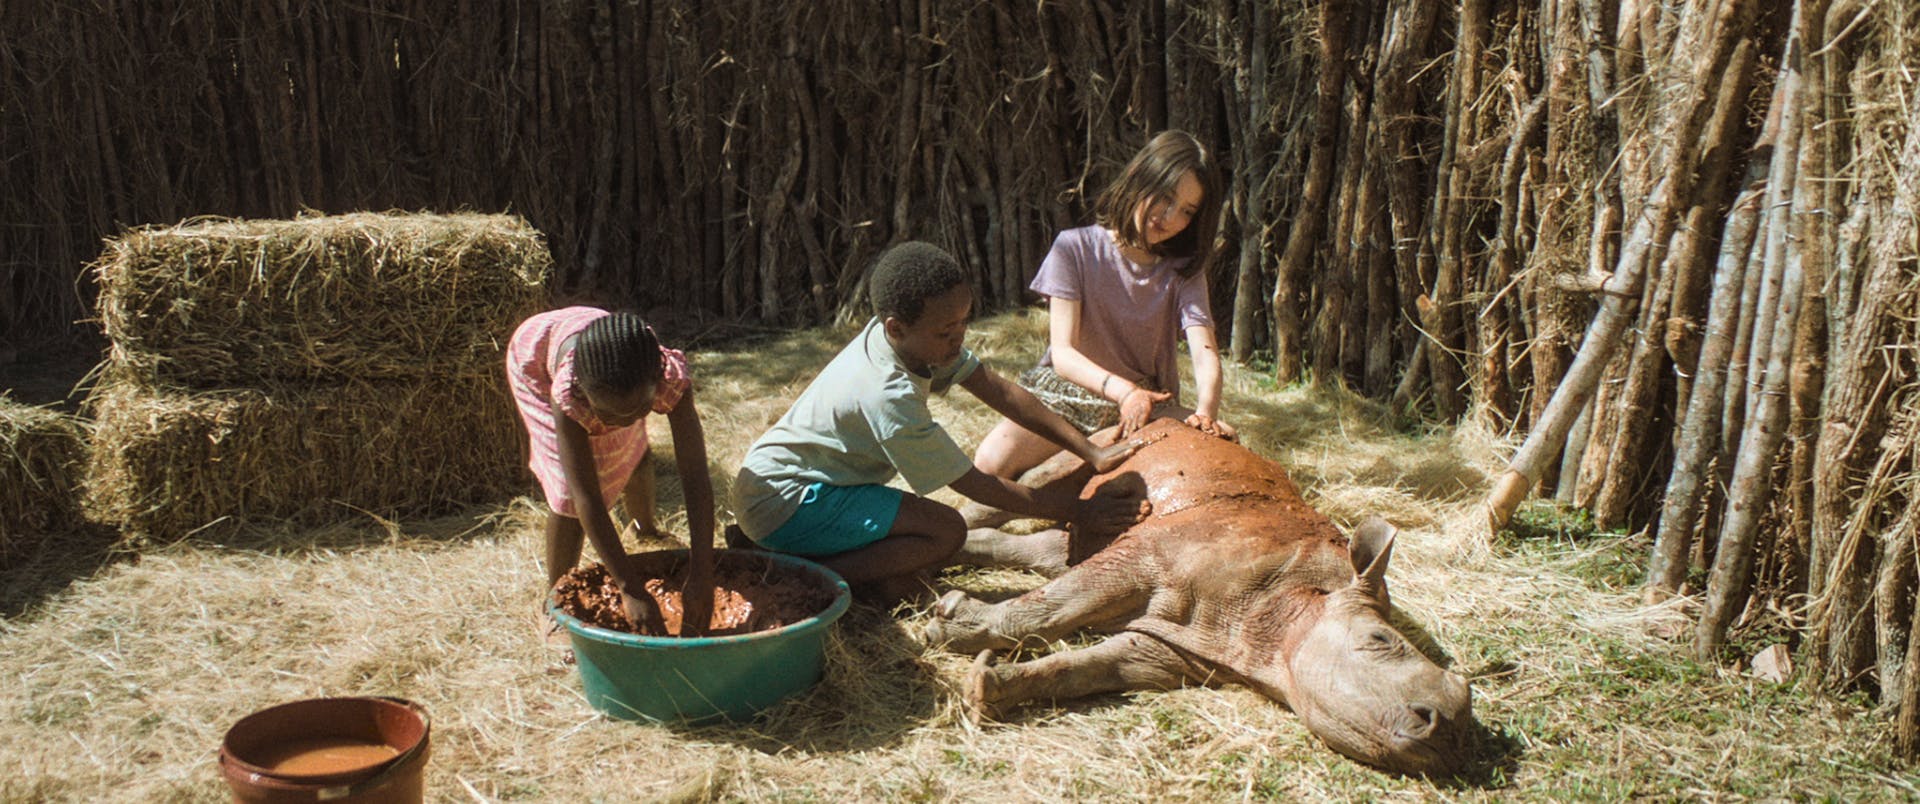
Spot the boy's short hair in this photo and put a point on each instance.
(909, 274)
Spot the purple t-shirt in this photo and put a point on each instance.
(1131, 317)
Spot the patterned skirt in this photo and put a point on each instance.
(1079, 406)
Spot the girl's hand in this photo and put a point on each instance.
(696, 601)
(1213, 427)
(642, 612)
(1137, 408)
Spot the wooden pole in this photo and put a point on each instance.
(1653, 225)
(1748, 494)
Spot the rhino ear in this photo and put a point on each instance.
(1372, 547)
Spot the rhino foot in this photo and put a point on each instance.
(981, 686)
(959, 627)
(985, 516)
(948, 604)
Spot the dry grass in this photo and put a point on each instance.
(216, 303)
(129, 675)
(167, 463)
(41, 454)
(299, 370)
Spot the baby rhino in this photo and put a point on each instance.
(1232, 578)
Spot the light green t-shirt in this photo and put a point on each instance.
(862, 421)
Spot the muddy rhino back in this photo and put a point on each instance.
(1183, 470)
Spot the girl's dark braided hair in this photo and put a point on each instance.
(617, 352)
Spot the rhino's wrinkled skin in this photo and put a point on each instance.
(1233, 578)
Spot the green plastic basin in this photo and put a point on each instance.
(705, 679)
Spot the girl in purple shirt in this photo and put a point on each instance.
(1121, 294)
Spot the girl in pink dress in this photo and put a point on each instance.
(584, 380)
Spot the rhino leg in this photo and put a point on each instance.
(1126, 661)
(1066, 604)
(1044, 552)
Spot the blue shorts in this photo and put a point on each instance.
(835, 519)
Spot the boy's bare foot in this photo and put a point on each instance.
(737, 539)
(643, 534)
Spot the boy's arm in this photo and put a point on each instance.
(690, 458)
(1100, 514)
(1015, 403)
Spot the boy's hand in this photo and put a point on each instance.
(1212, 426)
(1109, 458)
(1138, 407)
(1103, 514)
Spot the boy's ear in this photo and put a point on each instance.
(896, 329)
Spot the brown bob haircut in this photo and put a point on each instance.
(1153, 175)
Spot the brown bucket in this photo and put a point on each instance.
(328, 749)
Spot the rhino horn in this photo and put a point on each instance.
(1371, 549)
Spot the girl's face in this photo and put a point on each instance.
(934, 340)
(1159, 219)
(615, 409)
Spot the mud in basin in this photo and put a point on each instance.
(750, 593)
(766, 643)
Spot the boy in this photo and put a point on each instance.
(813, 485)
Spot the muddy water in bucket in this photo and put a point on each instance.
(328, 749)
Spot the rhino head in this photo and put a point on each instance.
(1361, 687)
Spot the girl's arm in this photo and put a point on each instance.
(1020, 406)
(1207, 381)
(1063, 341)
(1206, 370)
(583, 485)
(1136, 403)
(690, 458)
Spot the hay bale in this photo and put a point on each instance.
(212, 303)
(41, 454)
(167, 462)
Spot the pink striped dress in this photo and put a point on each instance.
(543, 382)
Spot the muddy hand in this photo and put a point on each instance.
(1103, 514)
(1137, 408)
(696, 598)
(642, 612)
(1109, 458)
(1212, 426)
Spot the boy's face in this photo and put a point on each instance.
(936, 338)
